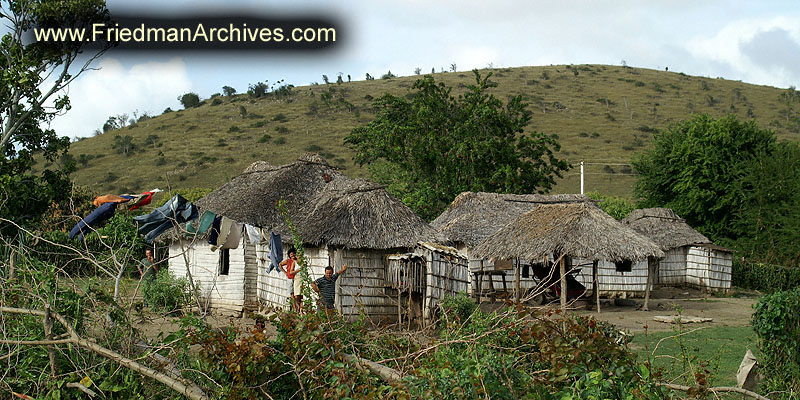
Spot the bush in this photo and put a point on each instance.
(617, 207)
(217, 101)
(457, 308)
(165, 293)
(189, 100)
(776, 321)
(764, 277)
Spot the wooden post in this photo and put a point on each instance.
(563, 271)
(650, 264)
(595, 285)
(399, 309)
(518, 295)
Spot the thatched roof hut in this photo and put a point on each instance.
(252, 197)
(356, 213)
(472, 217)
(579, 230)
(664, 227)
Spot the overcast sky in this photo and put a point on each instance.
(752, 41)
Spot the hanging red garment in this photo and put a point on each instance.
(141, 200)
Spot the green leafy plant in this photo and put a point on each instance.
(776, 321)
(165, 293)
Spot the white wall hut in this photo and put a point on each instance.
(568, 231)
(472, 217)
(341, 221)
(690, 258)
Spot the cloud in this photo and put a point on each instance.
(755, 50)
(116, 89)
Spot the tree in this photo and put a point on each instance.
(695, 168)
(123, 145)
(768, 224)
(435, 146)
(34, 76)
(189, 100)
(228, 91)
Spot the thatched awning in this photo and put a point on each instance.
(472, 217)
(578, 230)
(356, 213)
(252, 197)
(664, 227)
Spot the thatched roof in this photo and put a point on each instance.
(252, 197)
(326, 206)
(357, 213)
(472, 217)
(664, 227)
(578, 230)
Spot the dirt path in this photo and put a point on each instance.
(724, 311)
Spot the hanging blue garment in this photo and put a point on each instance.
(275, 251)
(176, 211)
(100, 214)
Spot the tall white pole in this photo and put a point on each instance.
(581, 177)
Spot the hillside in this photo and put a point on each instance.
(602, 114)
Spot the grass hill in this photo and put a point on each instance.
(602, 114)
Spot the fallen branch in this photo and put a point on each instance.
(720, 389)
(191, 392)
(82, 388)
(389, 375)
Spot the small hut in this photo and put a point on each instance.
(567, 232)
(472, 217)
(341, 220)
(231, 278)
(690, 258)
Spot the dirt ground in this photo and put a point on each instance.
(724, 311)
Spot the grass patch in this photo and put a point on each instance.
(720, 348)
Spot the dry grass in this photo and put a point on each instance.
(209, 145)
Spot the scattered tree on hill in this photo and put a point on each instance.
(696, 168)
(189, 100)
(369, 77)
(228, 91)
(325, 79)
(123, 145)
(417, 71)
(435, 146)
(388, 75)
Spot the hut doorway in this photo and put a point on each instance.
(406, 279)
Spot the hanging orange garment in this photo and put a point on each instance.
(108, 198)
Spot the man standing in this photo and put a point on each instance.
(147, 267)
(326, 286)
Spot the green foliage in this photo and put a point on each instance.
(695, 166)
(123, 145)
(764, 277)
(435, 146)
(776, 321)
(190, 194)
(457, 308)
(615, 206)
(768, 224)
(228, 91)
(189, 100)
(165, 293)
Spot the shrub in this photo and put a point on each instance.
(189, 100)
(217, 101)
(280, 140)
(764, 277)
(165, 293)
(280, 117)
(234, 128)
(264, 139)
(776, 321)
(617, 207)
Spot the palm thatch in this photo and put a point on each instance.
(472, 217)
(356, 213)
(578, 230)
(253, 196)
(664, 227)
